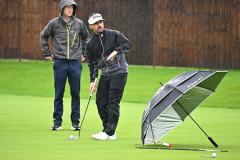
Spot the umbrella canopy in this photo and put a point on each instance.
(175, 100)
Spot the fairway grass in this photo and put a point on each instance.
(35, 78)
(25, 134)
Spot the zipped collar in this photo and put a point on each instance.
(65, 23)
(103, 33)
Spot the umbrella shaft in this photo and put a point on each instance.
(191, 118)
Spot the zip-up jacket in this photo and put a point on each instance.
(68, 39)
(100, 46)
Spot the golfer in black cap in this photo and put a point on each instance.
(106, 50)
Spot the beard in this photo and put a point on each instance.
(100, 29)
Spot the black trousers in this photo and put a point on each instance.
(109, 94)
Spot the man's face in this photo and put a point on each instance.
(97, 27)
(68, 11)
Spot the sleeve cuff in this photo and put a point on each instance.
(118, 50)
(47, 55)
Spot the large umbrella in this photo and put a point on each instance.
(175, 100)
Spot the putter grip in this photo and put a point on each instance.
(95, 81)
(213, 142)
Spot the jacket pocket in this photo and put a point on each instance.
(74, 38)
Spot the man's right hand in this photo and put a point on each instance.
(49, 58)
(92, 87)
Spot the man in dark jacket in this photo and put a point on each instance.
(68, 36)
(106, 51)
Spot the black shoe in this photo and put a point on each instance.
(75, 127)
(56, 127)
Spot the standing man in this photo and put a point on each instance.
(68, 36)
(106, 51)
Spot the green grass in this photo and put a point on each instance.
(26, 105)
(35, 78)
(25, 134)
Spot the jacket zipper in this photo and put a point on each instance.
(68, 50)
(103, 51)
(118, 61)
(102, 46)
(74, 39)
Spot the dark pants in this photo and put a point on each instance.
(63, 70)
(109, 94)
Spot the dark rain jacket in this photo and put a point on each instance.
(100, 46)
(68, 39)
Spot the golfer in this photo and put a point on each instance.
(106, 51)
(68, 36)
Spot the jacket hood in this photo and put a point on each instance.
(64, 3)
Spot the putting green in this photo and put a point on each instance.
(25, 133)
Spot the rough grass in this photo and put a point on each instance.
(35, 78)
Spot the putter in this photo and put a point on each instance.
(90, 97)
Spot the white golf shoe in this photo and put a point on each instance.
(113, 137)
(100, 136)
(104, 136)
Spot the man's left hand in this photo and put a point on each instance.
(112, 56)
(82, 58)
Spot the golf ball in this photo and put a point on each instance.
(214, 155)
(71, 137)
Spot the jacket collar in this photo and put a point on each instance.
(64, 22)
(103, 33)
